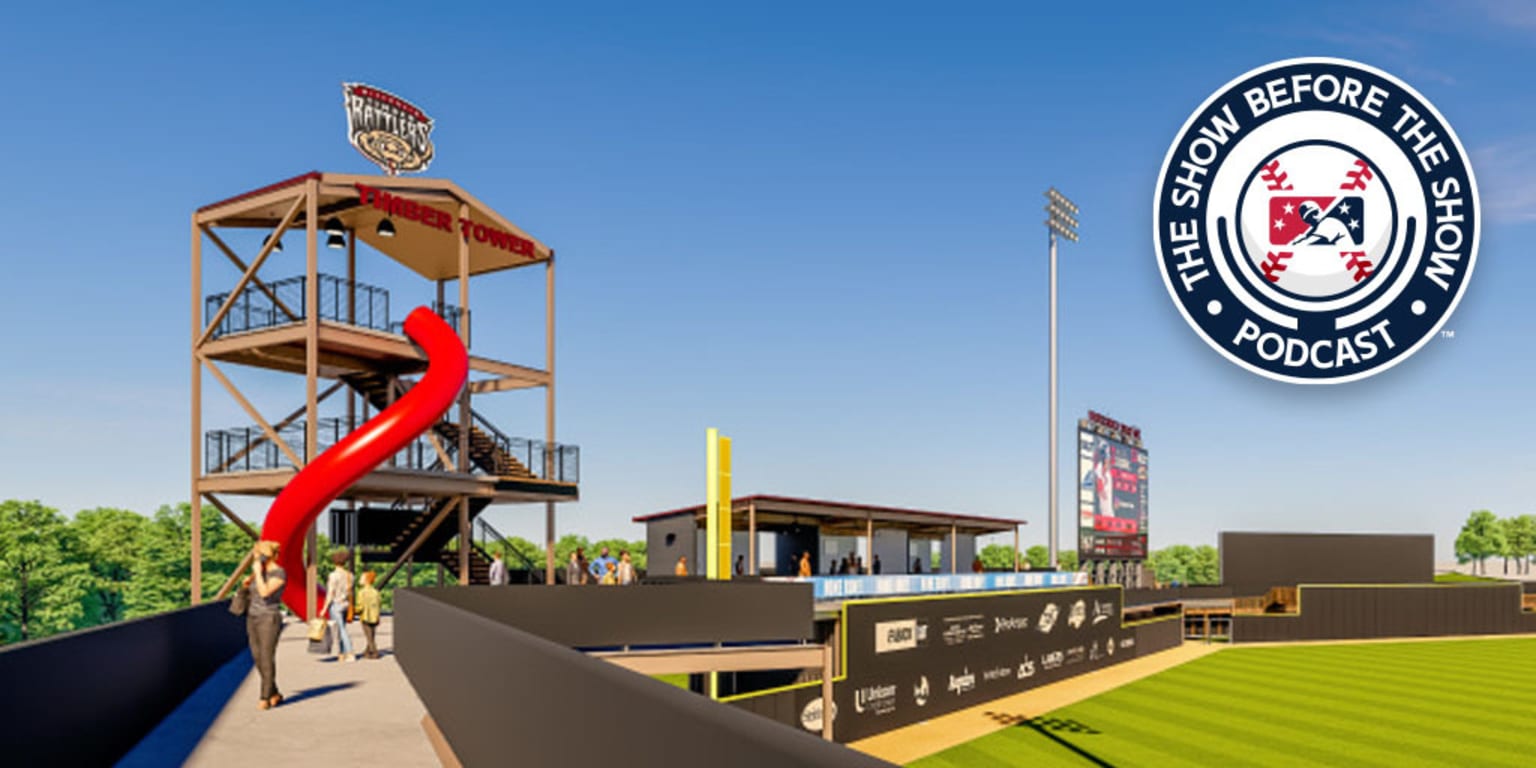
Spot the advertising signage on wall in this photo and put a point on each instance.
(1112, 490)
(911, 660)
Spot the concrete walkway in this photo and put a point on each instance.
(358, 713)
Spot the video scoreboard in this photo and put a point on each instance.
(1112, 490)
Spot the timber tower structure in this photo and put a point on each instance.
(344, 338)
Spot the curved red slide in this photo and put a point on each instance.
(318, 484)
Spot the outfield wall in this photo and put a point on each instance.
(1252, 563)
(907, 659)
(1371, 611)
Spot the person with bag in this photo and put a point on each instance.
(338, 604)
(264, 616)
(369, 604)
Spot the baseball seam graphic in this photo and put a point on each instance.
(1273, 177)
(1357, 178)
(1274, 264)
(1356, 260)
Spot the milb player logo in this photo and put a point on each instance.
(1316, 221)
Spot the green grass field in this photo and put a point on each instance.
(1444, 703)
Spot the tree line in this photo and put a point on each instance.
(1486, 535)
(105, 565)
(1179, 563)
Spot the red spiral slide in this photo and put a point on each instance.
(335, 470)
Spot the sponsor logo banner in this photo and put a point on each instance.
(901, 635)
(880, 699)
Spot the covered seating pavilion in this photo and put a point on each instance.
(800, 525)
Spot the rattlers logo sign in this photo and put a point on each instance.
(387, 129)
(1316, 221)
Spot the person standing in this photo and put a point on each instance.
(741, 568)
(264, 617)
(626, 569)
(805, 565)
(498, 576)
(338, 599)
(369, 604)
(574, 573)
(877, 565)
(917, 565)
(600, 567)
(681, 568)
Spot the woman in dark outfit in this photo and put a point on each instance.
(264, 617)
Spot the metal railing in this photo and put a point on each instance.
(485, 535)
(247, 449)
(547, 461)
(284, 302)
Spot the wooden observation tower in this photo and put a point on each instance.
(344, 338)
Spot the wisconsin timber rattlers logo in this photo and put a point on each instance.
(1316, 221)
(386, 129)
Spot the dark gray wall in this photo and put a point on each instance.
(1252, 563)
(464, 666)
(680, 613)
(87, 697)
(1174, 594)
(903, 655)
(1339, 613)
(661, 557)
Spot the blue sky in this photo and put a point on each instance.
(816, 227)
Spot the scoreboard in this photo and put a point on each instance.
(1112, 490)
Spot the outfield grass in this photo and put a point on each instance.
(1450, 703)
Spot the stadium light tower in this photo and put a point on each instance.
(1060, 220)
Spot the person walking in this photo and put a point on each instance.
(264, 617)
(626, 569)
(338, 602)
(369, 604)
(498, 576)
(600, 567)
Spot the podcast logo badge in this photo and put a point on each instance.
(1316, 221)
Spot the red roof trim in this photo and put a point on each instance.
(263, 190)
(695, 509)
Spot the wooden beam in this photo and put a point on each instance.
(500, 384)
(229, 513)
(255, 415)
(234, 578)
(241, 265)
(289, 419)
(311, 201)
(245, 279)
(196, 544)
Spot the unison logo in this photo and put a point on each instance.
(1316, 221)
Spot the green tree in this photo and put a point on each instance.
(1524, 535)
(43, 583)
(1207, 566)
(1506, 541)
(1067, 560)
(106, 538)
(1039, 557)
(163, 571)
(997, 557)
(1480, 538)
(1172, 564)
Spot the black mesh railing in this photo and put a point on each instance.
(284, 303)
(247, 449)
(547, 461)
(340, 300)
(448, 312)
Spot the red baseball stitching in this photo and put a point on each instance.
(1273, 177)
(1356, 260)
(1274, 264)
(1357, 178)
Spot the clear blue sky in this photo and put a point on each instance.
(816, 227)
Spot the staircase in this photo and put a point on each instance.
(438, 541)
(479, 565)
(486, 450)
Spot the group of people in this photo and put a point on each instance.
(264, 613)
(605, 569)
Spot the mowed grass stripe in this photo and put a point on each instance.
(1323, 713)
(1390, 704)
(1313, 729)
(1452, 689)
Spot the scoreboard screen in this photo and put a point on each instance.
(1112, 498)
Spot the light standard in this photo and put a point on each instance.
(1059, 220)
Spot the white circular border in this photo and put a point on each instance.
(1157, 205)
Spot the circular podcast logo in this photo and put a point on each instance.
(1316, 221)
